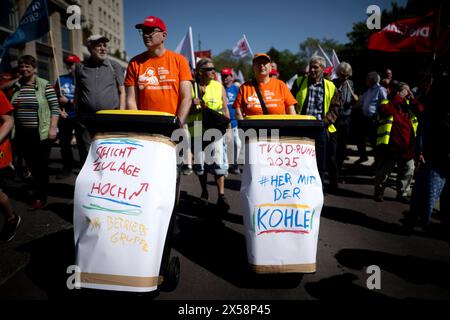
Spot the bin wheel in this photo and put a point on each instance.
(171, 275)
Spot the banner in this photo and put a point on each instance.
(33, 25)
(242, 48)
(404, 35)
(282, 198)
(186, 48)
(203, 54)
(124, 198)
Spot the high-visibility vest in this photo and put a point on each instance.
(385, 126)
(212, 98)
(330, 88)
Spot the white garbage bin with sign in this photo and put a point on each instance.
(124, 202)
(281, 195)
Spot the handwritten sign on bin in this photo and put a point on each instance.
(124, 197)
(282, 198)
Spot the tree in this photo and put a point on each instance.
(310, 45)
(288, 63)
(226, 59)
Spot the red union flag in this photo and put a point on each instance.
(242, 48)
(404, 35)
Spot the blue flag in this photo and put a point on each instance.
(33, 25)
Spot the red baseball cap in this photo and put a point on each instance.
(274, 72)
(152, 22)
(72, 59)
(227, 71)
(327, 70)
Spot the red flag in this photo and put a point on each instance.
(404, 35)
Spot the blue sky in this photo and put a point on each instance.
(282, 24)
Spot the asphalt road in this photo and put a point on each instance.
(355, 233)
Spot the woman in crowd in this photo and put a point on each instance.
(36, 113)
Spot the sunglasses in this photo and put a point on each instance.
(149, 32)
(208, 69)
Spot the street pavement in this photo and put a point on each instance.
(355, 232)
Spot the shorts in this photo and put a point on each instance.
(211, 158)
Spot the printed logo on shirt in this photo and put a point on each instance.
(148, 78)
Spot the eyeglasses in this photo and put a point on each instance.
(226, 75)
(208, 69)
(148, 32)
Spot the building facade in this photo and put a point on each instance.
(61, 41)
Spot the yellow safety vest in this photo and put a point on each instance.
(329, 87)
(385, 126)
(212, 99)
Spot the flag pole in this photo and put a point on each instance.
(52, 43)
(248, 45)
(193, 57)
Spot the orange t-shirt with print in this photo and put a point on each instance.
(275, 93)
(157, 80)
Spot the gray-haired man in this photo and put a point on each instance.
(99, 84)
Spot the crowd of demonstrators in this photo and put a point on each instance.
(232, 91)
(318, 97)
(36, 114)
(405, 127)
(68, 124)
(212, 95)
(99, 86)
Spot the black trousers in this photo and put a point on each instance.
(66, 128)
(36, 154)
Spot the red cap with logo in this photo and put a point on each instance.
(227, 71)
(72, 59)
(152, 22)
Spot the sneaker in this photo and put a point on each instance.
(37, 204)
(9, 229)
(222, 204)
(361, 160)
(187, 171)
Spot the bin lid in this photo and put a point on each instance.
(136, 112)
(141, 121)
(280, 117)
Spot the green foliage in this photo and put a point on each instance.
(310, 45)
(288, 63)
(227, 60)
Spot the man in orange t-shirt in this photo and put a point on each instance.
(158, 79)
(275, 93)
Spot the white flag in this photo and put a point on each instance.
(240, 77)
(335, 59)
(323, 54)
(242, 48)
(291, 81)
(186, 48)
